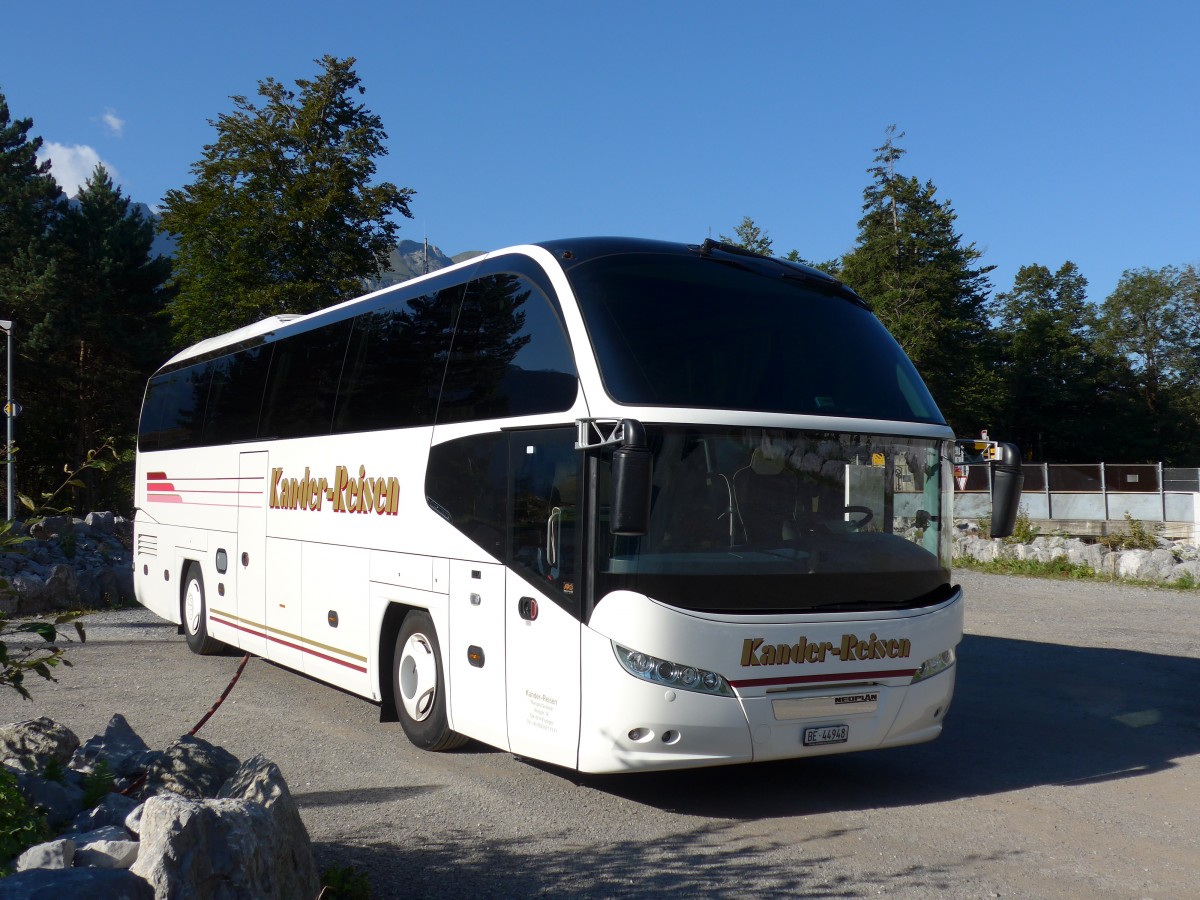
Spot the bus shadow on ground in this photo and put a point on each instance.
(714, 860)
(1025, 714)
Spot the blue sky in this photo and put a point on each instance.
(1057, 130)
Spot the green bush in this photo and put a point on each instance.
(55, 771)
(21, 826)
(97, 784)
(1024, 531)
(1134, 537)
(345, 883)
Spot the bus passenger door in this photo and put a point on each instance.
(251, 559)
(542, 604)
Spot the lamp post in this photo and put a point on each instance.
(10, 412)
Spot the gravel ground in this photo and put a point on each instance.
(1069, 766)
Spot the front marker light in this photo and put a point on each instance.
(933, 666)
(670, 674)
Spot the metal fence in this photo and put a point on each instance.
(1097, 492)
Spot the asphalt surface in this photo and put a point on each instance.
(1069, 767)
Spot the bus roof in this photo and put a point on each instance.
(569, 252)
(237, 336)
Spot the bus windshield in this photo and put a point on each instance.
(752, 520)
(695, 331)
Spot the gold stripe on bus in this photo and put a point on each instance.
(287, 634)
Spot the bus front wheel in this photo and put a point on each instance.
(418, 685)
(195, 614)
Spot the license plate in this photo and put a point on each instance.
(826, 734)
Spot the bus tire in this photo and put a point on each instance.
(418, 685)
(194, 609)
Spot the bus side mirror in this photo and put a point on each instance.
(631, 471)
(1007, 481)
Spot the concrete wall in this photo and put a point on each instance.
(1090, 514)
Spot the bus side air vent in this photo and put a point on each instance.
(147, 544)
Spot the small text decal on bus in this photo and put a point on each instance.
(346, 493)
(851, 648)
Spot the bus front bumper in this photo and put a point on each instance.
(632, 725)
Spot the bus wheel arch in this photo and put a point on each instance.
(418, 684)
(193, 611)
(393, 618)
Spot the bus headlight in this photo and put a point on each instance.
(671, 674)
(934, 665)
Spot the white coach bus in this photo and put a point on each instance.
(611, 504)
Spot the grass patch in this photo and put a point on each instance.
(1059, 568)
(1063, 570)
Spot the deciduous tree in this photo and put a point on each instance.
(282, 215)
(1152, 319)
(1061, 394)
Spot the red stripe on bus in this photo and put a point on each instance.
(156, 476)
(811, 679)
(302, 649)
(160, 486)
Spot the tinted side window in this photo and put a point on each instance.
(395, 364)
(466, 483)
(303, 382)
(235, 396)
(173, 413)
(510, 355)
(469, 480)
(547, 479)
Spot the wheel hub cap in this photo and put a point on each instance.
(418, 677)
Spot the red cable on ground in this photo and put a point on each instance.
(141, 779)
(221, 699)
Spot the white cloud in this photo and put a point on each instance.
(72, 166)
(115, 125)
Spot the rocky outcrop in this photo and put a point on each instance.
(27, 744)
(202, 826)
(248, 842)
(67, 563)
(1171, 562)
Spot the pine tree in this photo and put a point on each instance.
(94, 341)
(30, 199)
(925, 285)
(281, 216)
(30, 203)
(750, 237)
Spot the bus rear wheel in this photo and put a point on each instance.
(195, 614)
(418, 685)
